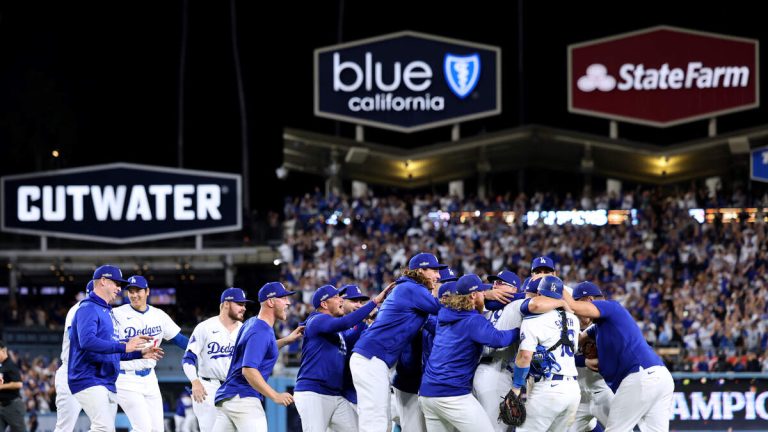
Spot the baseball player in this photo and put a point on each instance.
(554, 397)
(494, 373)
(399, 319)
(184, 418)
(239, 399)
(95, 350)
(209, 354)
(321, 374)
(596, 396)
(642, 385)
(138, 391)
(446, 387)
(67, 407)
(543, 266)
(410, 366)
(353, 300)
(491, 381)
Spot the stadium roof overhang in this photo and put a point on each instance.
(512, 149)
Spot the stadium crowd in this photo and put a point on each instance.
(701, 288)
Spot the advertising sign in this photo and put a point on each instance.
(663, 76)
(720, 404)
(121, 203)
(407, 81)
(759, 164)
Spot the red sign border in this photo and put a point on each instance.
(572, 109)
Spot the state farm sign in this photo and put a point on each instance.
(663, 76)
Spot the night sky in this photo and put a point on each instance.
(99, 81)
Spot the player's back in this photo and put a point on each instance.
(546, 329)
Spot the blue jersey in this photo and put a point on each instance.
(409, 368)
(94, 349)
(398, 321)
(621, 347)
(255, 347)
(456, 349)
(325, 350)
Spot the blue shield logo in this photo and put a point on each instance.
(462, 73)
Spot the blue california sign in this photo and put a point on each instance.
(407, 81)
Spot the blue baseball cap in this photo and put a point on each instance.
(543, 261)
(448, 275)
(273, 290)
(470, 283)
(425, 260)
(584, 289)
(89, 287)
(138, 282)
(551, 286)
(446, 289)
(324, 293)
(507, 277)
(532, 286)
(110, 272)
(352, 292)
(236, 295)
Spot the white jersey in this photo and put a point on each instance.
(213, 346)
(545, 330)
(508, 318)
(152, 322)
(65, 340)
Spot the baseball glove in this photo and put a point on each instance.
(589, 349)
(512, 409)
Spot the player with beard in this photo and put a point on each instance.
(320, 381)
(209, 354)
(239, 399)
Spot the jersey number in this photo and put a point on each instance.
(565, 350)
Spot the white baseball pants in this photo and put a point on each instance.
(67, 407)
(492, 382)
(319, 412)
(371, 379)
(206, 411)
(240, 414)
(100, 405)
(551, 405)
(140, 398)
(462, 413)
(411, 416)
(644, 398)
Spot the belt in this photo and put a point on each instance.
(556, 377)
(140, 372)
(5, 403)
(486, 360)
(210, 380)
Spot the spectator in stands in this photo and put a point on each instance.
(11, 406)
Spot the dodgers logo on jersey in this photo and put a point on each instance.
(217, 350)
(462, 73)
(146, 331)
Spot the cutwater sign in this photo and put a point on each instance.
(121, 203)
(407, 81)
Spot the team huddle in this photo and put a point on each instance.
(439, 354)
